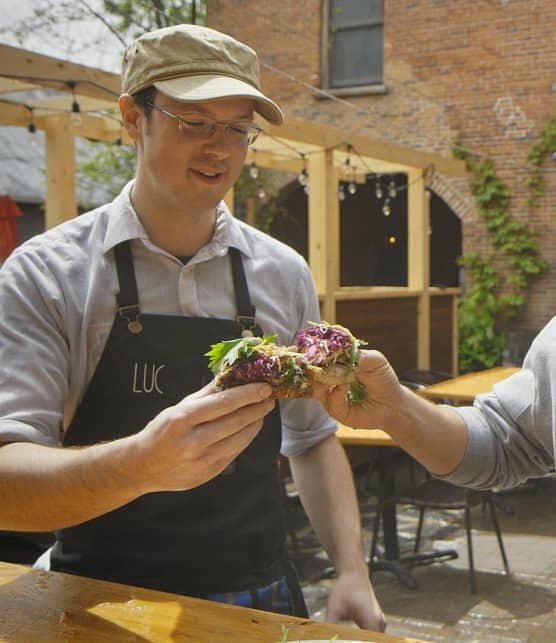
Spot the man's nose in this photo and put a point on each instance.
(218, 143)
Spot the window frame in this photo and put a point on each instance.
(353, 90)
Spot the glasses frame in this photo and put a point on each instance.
(251, 135)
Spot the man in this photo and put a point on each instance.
(506, 437)
(104, 323)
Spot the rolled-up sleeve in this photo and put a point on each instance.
(509, 435)
(304, 422)
(33, 353)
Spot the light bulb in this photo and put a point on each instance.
(341, 193)
(32, 134)
(253, 170)
(303, 177)
(386, 210)
(75, 113)
(378, 190)
(352, 187)
(261, 193)
(392, 189)
(306, 188)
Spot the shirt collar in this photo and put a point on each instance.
(124, 224)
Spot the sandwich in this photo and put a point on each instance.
(323, 353)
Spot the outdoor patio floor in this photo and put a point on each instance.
(521, 607)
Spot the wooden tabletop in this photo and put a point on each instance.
(58, 608)
(364, 437)
(464, 388)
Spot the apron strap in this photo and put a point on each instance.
(128, 299)
(245, 308)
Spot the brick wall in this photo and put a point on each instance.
(482, 68)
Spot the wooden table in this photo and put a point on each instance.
(52, 607)
(464, 388)
(364, 437)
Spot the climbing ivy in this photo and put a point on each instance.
(537, 154)
(484, 305)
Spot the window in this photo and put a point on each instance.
(353, 36)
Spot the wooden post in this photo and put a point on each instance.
(418, 260)
(324, 230)
(61, 200)
(455, 334)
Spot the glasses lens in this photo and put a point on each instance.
(196, 125)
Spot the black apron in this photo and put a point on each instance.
(226, 535)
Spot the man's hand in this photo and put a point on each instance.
(383, 393)
(190, 443)
(352, 599)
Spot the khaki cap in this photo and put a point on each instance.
(192, 63)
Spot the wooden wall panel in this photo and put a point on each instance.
(441, 333)
(389, 325)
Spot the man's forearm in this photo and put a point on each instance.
(43, 488)
(325, 484)
(434, 435)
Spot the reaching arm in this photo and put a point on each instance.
(325, 484)
(42, 488)
(434, 435)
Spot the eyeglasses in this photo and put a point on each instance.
(199, 126)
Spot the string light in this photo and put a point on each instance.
(31, 127)
(75, 108)
(352, 187)
(253, 170)
(378, 189)
(261, 192)
(341, 193)
(386, 209)
(392, 189)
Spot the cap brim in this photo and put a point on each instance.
(206, 87)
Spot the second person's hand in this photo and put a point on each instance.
(382, 394)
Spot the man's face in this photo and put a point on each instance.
(188, 174)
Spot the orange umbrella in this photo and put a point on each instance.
(9, 211)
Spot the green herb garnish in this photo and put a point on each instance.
(357, 392)
(227, 352)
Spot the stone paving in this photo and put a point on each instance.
(518, 608)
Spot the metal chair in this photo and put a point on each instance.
(442, 495)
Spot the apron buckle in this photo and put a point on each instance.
(247, 325)
(131, 314)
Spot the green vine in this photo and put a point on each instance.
(483, 307)
(537, 154)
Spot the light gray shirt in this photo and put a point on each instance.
(57, 305)
(512, 431)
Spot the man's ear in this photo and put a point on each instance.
(132, 116)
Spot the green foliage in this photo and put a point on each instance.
(266, 210)
(537, 154)
(134, 18)
(514, 242)
(105, 164)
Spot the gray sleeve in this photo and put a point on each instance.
(511, 430)
(34, 360)
(304, 422)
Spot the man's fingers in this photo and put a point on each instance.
(209, 404)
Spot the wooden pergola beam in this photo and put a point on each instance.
(45, 71)
(329, 137)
